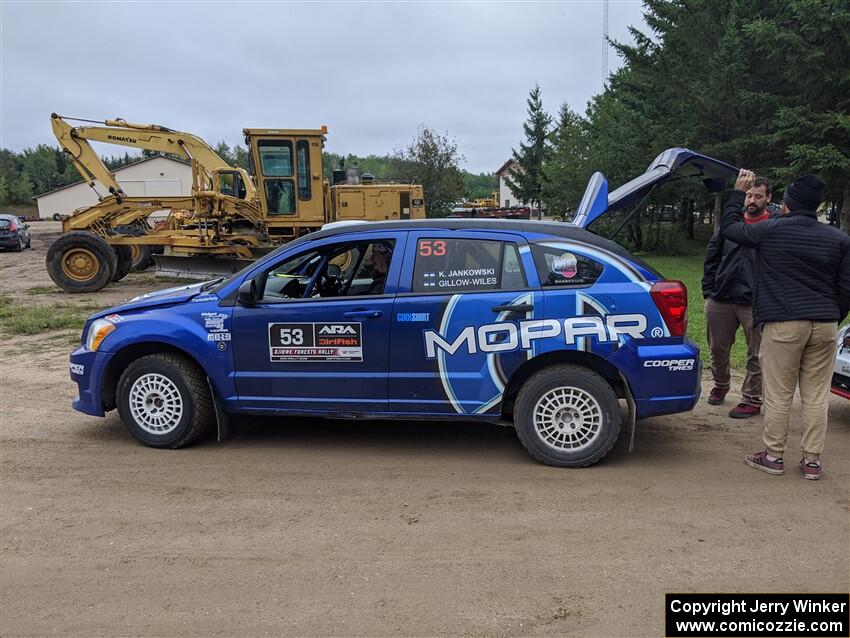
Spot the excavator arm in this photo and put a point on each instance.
(151, 137)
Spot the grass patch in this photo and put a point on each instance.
(43, 290)
(29, 319)
(688, 269)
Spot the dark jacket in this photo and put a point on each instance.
(802, 267)
(728, 271)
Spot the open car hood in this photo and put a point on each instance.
(672, 163)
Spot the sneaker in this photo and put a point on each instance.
(760, 461)
(717, 396)
(811, 470)
(744, 411)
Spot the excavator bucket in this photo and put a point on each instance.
(198, 268)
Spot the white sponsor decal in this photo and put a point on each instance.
(78, 368)
(218, 336)
(299, 342)
(214, 321)
(672, 365)
(506, 336)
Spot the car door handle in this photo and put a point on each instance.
(522, 307)
(364, 314)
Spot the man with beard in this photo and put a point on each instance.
(802, 292)
(727, 287)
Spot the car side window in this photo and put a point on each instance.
(559, 267)
(291, 278)
(339, 270)
(466, 265)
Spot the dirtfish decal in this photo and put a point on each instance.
(507, 336)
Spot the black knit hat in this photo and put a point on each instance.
(806, 192)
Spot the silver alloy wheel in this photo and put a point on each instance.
(567, 419)
(155, 403)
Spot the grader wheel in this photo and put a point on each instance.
(141, 256)
(123, 263)
(81, 261)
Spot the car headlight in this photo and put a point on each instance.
(97, 333)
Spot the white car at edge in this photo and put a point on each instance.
(841, 377)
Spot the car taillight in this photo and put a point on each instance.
(671, 298)
(13, 227)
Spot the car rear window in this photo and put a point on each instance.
(5, 224)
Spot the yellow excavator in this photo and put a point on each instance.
(232, 215)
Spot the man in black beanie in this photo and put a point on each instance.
(801, 293)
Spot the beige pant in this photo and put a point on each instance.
(722, 321)
(793, 351)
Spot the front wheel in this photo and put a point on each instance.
(164, 400)
(567, 416)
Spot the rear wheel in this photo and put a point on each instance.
(567, 416)
(81, 261)
(164, 400)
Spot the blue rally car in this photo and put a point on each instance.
(543, 325)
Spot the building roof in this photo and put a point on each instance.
(115, 172)
(507, 165)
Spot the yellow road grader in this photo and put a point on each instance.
(232, 215)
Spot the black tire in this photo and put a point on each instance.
(596, 419)
(141, 256)
(91, 247)
(57, 217)
(123, 263)
(185, 379)
(20, 246)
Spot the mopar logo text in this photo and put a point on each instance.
(119, 138)
(672, 365)
(503, 337)
(337, 330)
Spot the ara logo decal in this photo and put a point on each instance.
(337, 329)
(507, 336)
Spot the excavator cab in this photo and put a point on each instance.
(287, 166)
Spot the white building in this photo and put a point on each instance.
(507, 199)
(152, 177)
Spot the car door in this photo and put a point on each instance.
(456, 340)
(318, 343)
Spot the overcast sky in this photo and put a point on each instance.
(373, 72)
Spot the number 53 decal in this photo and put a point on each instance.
(435, 247)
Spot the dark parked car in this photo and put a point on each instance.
(14, 233)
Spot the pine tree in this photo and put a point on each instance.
(527, 181)
(565, 168)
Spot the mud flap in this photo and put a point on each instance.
(222, 418)
(630, 401)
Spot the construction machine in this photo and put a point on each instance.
(232, 215)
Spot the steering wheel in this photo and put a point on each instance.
(330, 283)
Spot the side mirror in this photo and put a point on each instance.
(247, 295)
